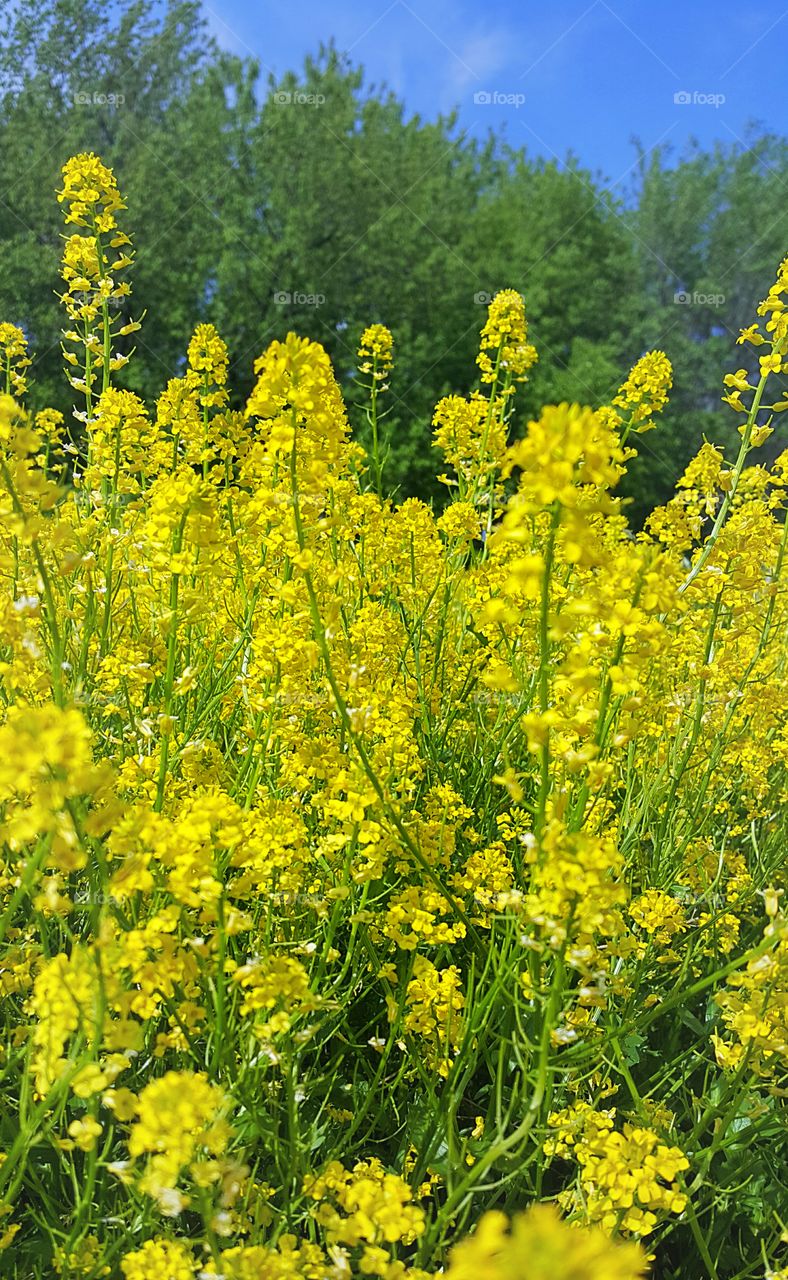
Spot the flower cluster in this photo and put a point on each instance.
(93, 260)
(13, 360)
(537, 1244)
(374, 873)
(505, 353)
(627, 1178)
(645, 391)
(376, 351)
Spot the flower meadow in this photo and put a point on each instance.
(386, 891)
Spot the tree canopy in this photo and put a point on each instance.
(317, 204)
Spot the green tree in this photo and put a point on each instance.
(710, 231)
(316, 204)
(552, 233)
(356, 214)
(158, 101)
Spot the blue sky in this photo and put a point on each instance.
(579, 75)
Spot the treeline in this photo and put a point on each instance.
(316, 204)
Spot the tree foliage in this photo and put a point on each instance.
(316, 204)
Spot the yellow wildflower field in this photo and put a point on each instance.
(386, 891)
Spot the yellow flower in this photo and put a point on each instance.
(537, 1244)
(376, 351)
(658, 914)
(505, 333)
(85, 1132)
(93, 261)
(645, 391)
(207, 356)
(13, 359)
(178, 1117)
(159, 1260)
(434, 1011)
(367, 1204)
(628, 1178)
(65, 1000)
(91, 192)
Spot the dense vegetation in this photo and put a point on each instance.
(341, 200)
(386, 890)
